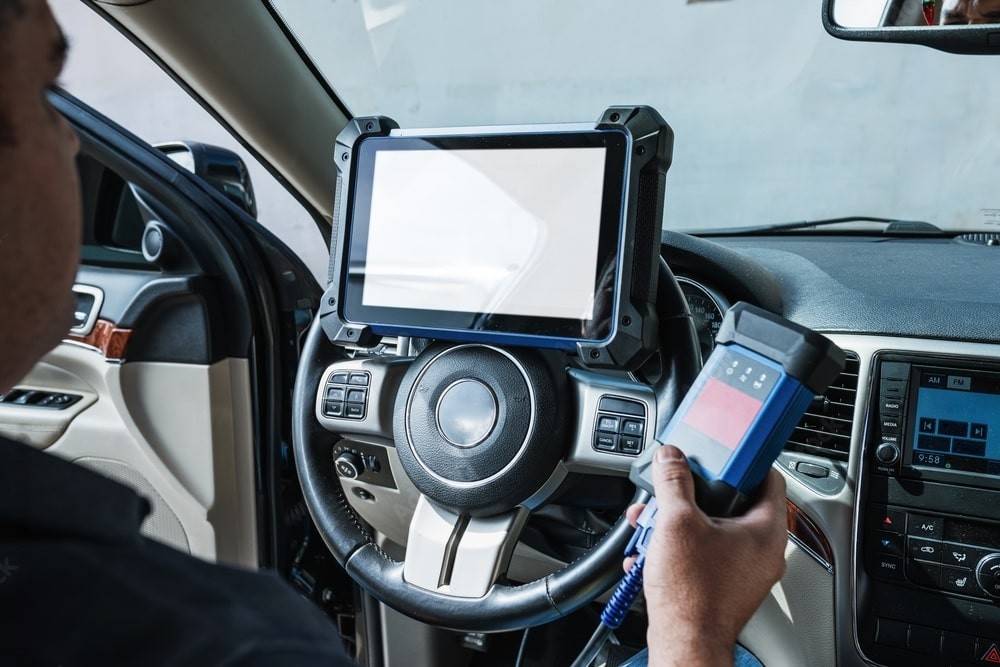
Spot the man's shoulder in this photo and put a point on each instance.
(43, 494)
(71, 557)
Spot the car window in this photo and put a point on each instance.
(110, 74)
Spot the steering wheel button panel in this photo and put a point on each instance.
(618, 433)
(347, 395)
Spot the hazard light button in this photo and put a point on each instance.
(988, 651)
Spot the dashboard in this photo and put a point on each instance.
(894, 474)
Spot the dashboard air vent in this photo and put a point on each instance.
(825, 428)
(980, 238)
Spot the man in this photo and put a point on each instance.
(704, 578)
(79, 586)
(959, 12)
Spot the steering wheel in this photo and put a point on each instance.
(486, 434)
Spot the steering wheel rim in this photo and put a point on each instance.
(504, 607)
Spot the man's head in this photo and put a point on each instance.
(39, 193)
(957, 12)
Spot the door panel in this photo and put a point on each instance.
(146, 388)
(178, 434)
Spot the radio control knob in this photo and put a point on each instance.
(349, 465)
(887, 453)
(988, 574)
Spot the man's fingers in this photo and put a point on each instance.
(633, 512)
(771, 504)
(628, 563)
(672, 477)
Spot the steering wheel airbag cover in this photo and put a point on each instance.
(493, 473)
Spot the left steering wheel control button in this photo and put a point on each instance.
(347, 395)
(619, 426)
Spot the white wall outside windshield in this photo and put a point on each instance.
(775, 120)
(486, 231)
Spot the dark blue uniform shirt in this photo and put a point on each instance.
(80, 586)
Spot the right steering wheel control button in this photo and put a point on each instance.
(607, 424)
(630, 444)
(619, 426)
(606, 442)
(633, 427)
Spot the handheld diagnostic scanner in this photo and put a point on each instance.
(744, 405)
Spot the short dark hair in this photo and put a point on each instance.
(10, 10)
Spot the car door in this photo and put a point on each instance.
(175, 375)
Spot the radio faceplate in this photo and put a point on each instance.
(938, 419)
(928, 536)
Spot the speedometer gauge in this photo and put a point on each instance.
(707, 308)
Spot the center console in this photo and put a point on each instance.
(927, 556)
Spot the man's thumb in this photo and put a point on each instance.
(672, 477)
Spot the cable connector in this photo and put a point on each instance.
(639, 543)
(631, 584)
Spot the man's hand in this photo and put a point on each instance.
(704, 577)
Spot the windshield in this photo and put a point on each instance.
(775, 120)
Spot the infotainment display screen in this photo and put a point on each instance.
(512, 233)
(956, 420)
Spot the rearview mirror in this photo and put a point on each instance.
(957, 26)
